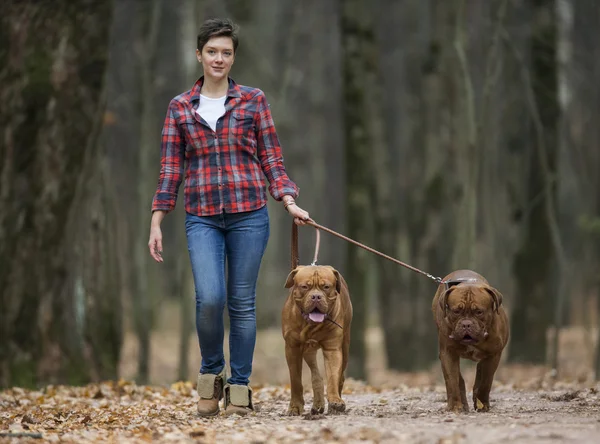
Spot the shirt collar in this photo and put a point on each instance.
(233, 91)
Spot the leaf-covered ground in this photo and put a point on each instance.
(127, 413)
(528, 404)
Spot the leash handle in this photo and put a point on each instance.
(295, 251)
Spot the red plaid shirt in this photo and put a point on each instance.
(223, 168)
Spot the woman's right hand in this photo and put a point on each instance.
(300, 216)
(155, 244)
(155, 241)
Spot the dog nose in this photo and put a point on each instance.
(467, 324)
(316, 297)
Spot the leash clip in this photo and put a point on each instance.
(437, 280)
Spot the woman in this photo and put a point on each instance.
(222, 137)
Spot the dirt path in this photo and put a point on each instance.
(413, 416)
(528, 404)
(126, 413)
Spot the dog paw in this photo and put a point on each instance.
(295, 410)
(481, 406)
(336, 408)
(458, 408)
(317, 409)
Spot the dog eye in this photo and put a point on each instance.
(479, 312)
(304, 287)
(326, 287)
(456, 311)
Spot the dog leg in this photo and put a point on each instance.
(463, 392)
(293, 355)
(476, 384)
(486, 370)
(345, 356)
(334, 372)
(318, 406)
(452, 378)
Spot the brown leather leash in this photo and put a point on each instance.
(295, 252)
(296, 259)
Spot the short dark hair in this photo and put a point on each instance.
(217, 27)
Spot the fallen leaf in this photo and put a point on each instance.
(28, 419)
(197, 433)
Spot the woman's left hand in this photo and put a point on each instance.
(300, 216)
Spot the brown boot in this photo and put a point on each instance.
(210, 390)
(238, 399)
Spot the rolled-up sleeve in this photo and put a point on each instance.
(172, 161)
(270, 155)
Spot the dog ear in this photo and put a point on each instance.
(338, 279)
(289, 282)
(496, 298)
(444, 299)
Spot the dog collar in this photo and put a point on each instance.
(453, 282)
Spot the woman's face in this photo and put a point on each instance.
(217, 57)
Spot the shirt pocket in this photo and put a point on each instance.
(243, 121)
(192, 130)
(242, 131)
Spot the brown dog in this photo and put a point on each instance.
(317, 314)
(472, 324)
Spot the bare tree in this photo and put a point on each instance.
(360, 76)
(579, 159)
(419, 78)
(535, 294)
(145, 294)
(120, 140)
(399, 22)
(61, 315)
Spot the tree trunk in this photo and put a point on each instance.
(120, 142)
(533, 263)
(190, 17)
(358, 45)
(419, 81)
(60, 320)
(390, 219)
(579, 159)
(504, 143)
(144, 297)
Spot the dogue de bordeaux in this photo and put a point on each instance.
(472, 324)
(317, 315)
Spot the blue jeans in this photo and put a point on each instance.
(238, 240)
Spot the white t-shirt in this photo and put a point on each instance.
(211, 109)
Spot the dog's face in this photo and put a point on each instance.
(469, 310)
(315, 289)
